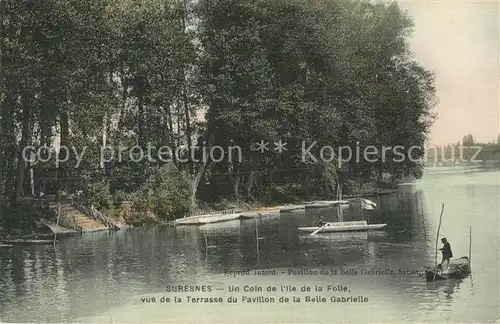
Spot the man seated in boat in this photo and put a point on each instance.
(446, 251)
(321, 222)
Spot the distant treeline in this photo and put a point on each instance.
(468, 150)
(92, 73)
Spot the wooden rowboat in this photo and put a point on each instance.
(458, 269)
(206, 219)
(28, 242)
(343, 227)
(249, 215)
(221, 227)
(289, 208)
(327, 203)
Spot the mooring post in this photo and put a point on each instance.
(257, 238)
(470, 245)
(423, 217)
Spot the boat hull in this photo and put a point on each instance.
(344, 227)
(328, 203)
(268, 211)
(207, 219)
(458, 269)
(27, 242)
(290, 208)
(219, 227)
(249, 215)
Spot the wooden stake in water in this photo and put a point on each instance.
(470, 245)
(339, 207)
(437, 236)
(57, 223)
(206, 243)
(257, 235)
(423, 218)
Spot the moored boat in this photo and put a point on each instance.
(327, 203)
(457, 269)
(219, 227)
(289, 208)
(249, 215)
(27, 242)
(208, 218)
(342, 227)
(268, 211)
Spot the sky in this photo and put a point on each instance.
(459, 41)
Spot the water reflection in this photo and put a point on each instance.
(444, 288)
(90, 274)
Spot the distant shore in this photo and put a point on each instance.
(26, 223)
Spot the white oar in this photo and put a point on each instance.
(319, 229)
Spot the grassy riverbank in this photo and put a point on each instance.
(22, 219)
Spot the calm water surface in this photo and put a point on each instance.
(103, 277)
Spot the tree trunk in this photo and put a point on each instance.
(8, 140)
(249, 185)
(187, 115)
(25, 139)
(37, 179)
(171, 129)
(188, 126)
(141, 120)
(236, 186)
(121, 112)
(178, 108)
(61, 170)
(40, 174)
(199, 175)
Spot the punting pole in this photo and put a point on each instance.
(437, 236)
(437, 239)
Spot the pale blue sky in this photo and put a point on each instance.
(459, 41)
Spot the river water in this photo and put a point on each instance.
(113, 277)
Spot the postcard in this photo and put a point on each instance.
(251, 161)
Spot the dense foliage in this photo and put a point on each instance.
(97, 73)
(165, 194)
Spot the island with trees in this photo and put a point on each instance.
(193, 75)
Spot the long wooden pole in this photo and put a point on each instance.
(318, 230)
(423, 218)
(257, 235)
(339, 207)
(437, 236)
(470, 244)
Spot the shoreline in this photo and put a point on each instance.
(258, 207)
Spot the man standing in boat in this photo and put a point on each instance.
(446, 251)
